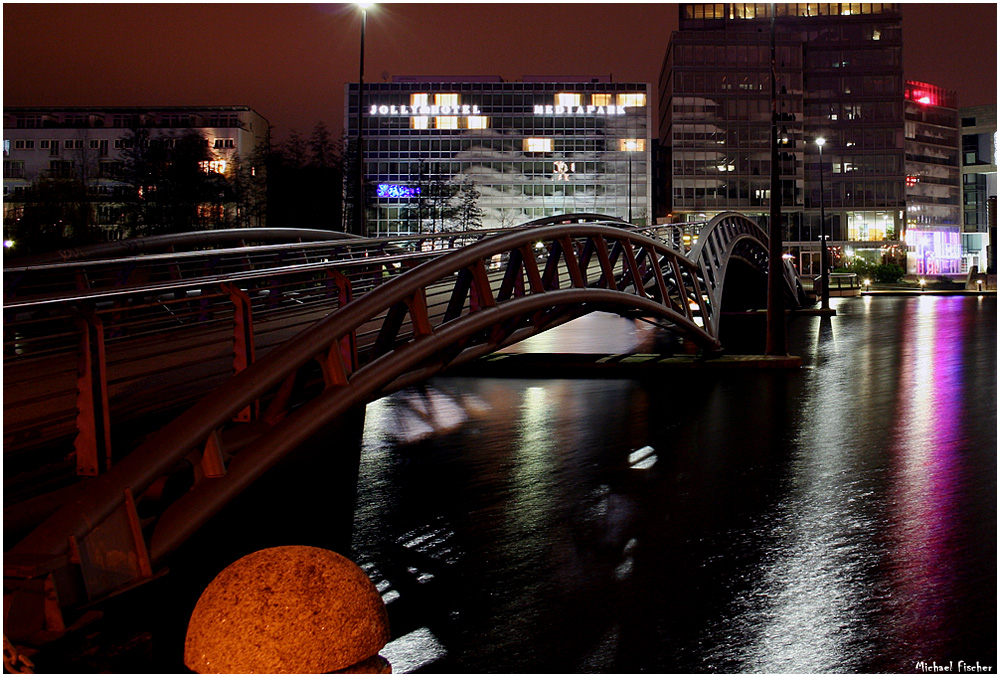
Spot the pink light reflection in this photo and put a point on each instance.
(926, 468)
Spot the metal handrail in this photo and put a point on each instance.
(446, 310)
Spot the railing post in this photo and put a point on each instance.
(348, 344)
(243, 341)
(93, 424)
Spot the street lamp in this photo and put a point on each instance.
(824, 275)
(630, 146)
(360, 225)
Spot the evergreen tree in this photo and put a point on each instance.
(57, 215)
(470, 215)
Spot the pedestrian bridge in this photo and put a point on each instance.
(260, 346)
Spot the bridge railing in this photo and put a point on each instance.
(92, 346)
(459, 306)
(86, 343)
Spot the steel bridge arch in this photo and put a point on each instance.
(729, 237)
(446, 311)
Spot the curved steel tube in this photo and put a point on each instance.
(169, 445)
(634, 273)
(168, 242)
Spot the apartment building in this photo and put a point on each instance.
(90, 144)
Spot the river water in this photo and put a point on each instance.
(836, 518)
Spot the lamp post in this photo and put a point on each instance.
(775, 343)
(360, 224)
(824, 275)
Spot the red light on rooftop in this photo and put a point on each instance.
(928, 95)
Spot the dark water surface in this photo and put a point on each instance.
(836, 518)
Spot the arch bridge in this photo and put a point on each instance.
(399, 317)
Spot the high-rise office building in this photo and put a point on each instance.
(933, 182)
(517, 151)
(839, 77)
(979, 185)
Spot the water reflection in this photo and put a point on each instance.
(926, 471)
(838, 519)
(810, 606)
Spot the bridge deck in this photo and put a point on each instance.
(286, 345)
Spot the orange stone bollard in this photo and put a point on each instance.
(290, 609)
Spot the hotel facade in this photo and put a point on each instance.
(528, 149)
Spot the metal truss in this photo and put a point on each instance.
(431, 313)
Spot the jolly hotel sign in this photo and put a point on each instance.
(393, 110)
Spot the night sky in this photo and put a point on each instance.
(290, 61)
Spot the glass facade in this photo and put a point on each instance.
(522, 150)
(839, 76)
(979, 186)
(979, 171)
(933, 168)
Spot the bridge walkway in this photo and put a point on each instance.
(385, 323)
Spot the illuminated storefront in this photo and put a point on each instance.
(523, 150)
(933, 251)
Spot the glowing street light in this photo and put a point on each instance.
(824, 266)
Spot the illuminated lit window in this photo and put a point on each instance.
(446, 122)
(632, 144)
(446, 99)
(419, 100)
(538, 145)
(418, 122)
(478, 122)
(635, 99)
(600, 99)
(568, 99)
(213, 166)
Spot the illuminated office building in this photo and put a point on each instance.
(933, 181)
(979, 185)
(534, 148)
(839, 76)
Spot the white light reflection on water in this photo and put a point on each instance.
(801, 614)
(533, 470)
(413, 650)
(590, 334)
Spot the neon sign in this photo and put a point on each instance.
(395, 190)
(579, 110)
(933, 252)
(424, 110)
